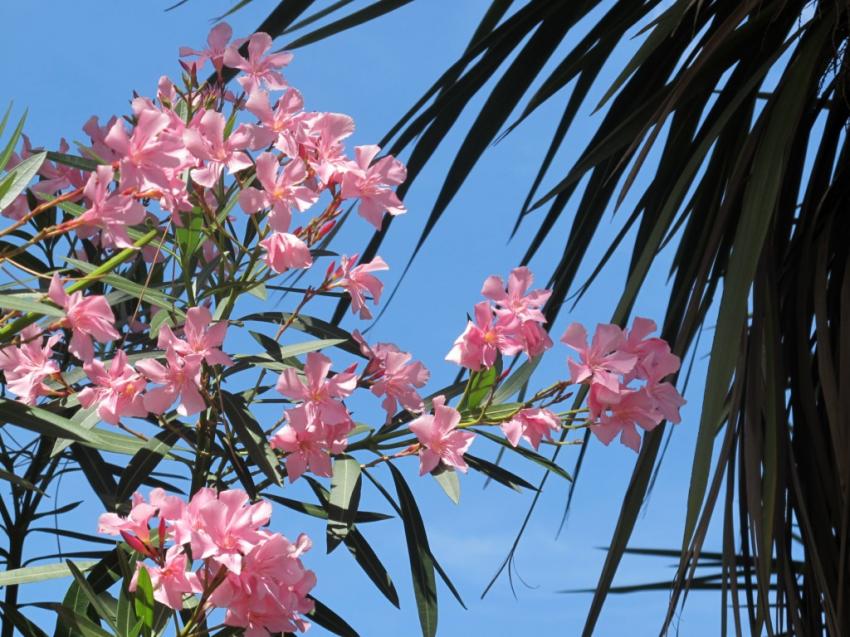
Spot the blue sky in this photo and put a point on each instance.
(67, 61)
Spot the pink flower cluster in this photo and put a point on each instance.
(255, 575)
(613, 359)
(393, 374)
(513, 325)
(319, 425)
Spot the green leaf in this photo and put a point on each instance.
(365, 14)
(73, 161)
(371, 565)
(497, 473)
(446, 477)
(28, 303)
(329, 620)
(94, 600)
(189, 235)
(251, 435)
(310, 325)
(32, 574)
(18, 178)
(143, 599)
(513, 383)
(344, 499)
(13, 140)
(419, 554)
(526, 453)
(480, 385)
(75, 623)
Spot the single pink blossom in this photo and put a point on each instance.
(358, 281)
(228, 528)
(99, 149)
(533, 425)
(257, 68)
(666, 400)
(285, 251)
(204, 138)
(620, 413)
(308, 443)
(110, 213)
(217, 41)
(28, 365)
(116, 391)
(655, 360)
(201, 338)
(373, 184)
(321, 395)
(393, 375)
(171, 581)
(56, 176)
(282, 126)
(440, 439)
(604, 360)
(153, 147)
(481, 341)
(323, 147)
(515, 300)
(180, 379)
(281, 192)
(137, 522)
(87, 317)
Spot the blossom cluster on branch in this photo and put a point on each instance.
(134, 329)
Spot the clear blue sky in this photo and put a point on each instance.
(68, 60)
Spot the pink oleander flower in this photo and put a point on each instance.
(358, 281)
(153, 147)
(393, 375)
(373, 184)
(654, 358)
(666, 400)
(201, 339)
(258, 69)
(620, 412)
(440, 439)
(526, 307)
(280, 192)
(308, 443)
(217, 41)
(116, 391)
(171, 581)
(110, 213)
(28, 365)
(285, 251)
(282, 126)
(271, 592)
(137, 522)
(481, 341)
(87, 317)
(322, 396)
(180, 380)
(99, 149)
(323, 144)
(228, 528)
(56, 176)
(204, 138)
(604, 360)
(533, 425)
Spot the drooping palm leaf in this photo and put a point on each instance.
(746, 102)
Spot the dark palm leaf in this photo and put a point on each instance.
(747, 103)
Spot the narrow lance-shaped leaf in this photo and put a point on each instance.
(344, 499)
